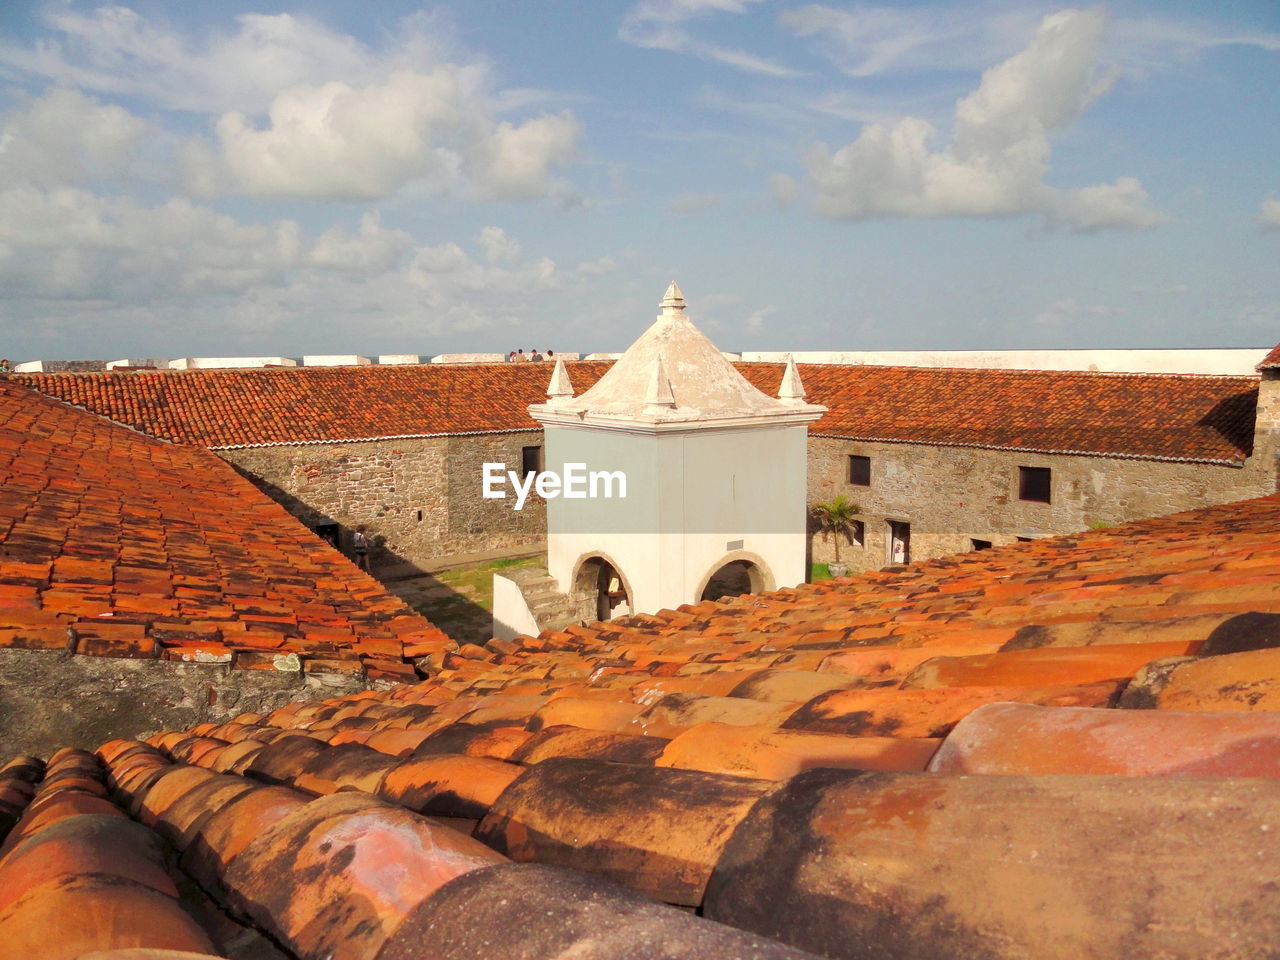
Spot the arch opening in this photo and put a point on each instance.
(734, 579)
(602, 587)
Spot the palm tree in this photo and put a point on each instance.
(835, 518)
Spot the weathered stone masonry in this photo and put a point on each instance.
(421, 498)
(950, 495)
(953, 495)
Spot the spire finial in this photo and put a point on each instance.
(792, 389)
(659, 392)
(559, 389)
(672, 300)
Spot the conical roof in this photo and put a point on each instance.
(674, 374)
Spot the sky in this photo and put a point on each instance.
(237, 179)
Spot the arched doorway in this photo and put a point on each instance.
(602, 589)
(733, 579)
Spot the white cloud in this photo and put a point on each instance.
(757, 319)
(1269, 213)
(64, 137)
(338, 142)
(70, 243)
(113, 49)
(784, 188)
(661, 25)
(597, 268)
(180, 279)
(369, 251)
(865, 40)
(512, 162)
(497, 246)
(304, 111)
(997, 158)
(690, 203)
(1119, 204)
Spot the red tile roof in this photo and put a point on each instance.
(1271, 360)
(760, 759)
(1177, 417)
(117, 544)
(1160, 416)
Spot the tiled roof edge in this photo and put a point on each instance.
(1235, 462)
(391, 436)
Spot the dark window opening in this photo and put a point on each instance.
(328, 532)
(981, 544)
(859, 471)
(858, 533)
(419, 516)
(1034, 484)
(530, 460)
(1025, 539)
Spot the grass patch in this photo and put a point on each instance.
(475, 582)
(819, 571)
(511, 562)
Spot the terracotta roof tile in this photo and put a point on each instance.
(1016, 738)
(636, 752)
(659, 831)
(1052, 863)
(1141, 415)
(1272, 360)
(124, 546)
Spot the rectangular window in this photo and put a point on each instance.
(981, 544)
(1034, 484)
(858, 532)
(530, 460)
(860, 471)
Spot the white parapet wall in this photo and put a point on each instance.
(469, 358)
(159, 363)
(336, 360)
(511, 614)
(393, 359)
(227, 363)
(1220, 362)
(59, 366)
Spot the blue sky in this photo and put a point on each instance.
(232, 179)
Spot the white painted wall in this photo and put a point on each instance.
(335, 360)
(1222, 362)
(690, 496)
(158, 362)
(398, 358)
(469, 358)
(227, 363)
(511, 614)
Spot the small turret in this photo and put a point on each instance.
(792, 389)
(559, 389)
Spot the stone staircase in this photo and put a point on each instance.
(552, 609)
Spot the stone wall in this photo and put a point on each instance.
(420, 498)
(953, 495)
(50, 699)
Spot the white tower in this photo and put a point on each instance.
(715, 475)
